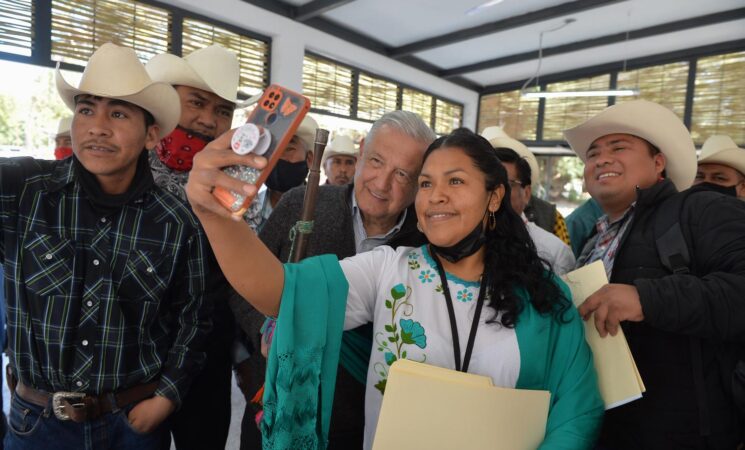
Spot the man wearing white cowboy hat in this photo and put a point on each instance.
(339, 161)
(206, 81)
(722, 163)
(676, 290)
(541, 212)
(62, 140)
(106, 316)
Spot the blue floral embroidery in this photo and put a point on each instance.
(464, 295)
(393, 342)
(413, 333)
(390, 358)
(426, 276)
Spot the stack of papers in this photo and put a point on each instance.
(618, 376)
(440, 409)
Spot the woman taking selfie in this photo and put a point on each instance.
(477, 298)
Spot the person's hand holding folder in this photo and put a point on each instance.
(611, 305)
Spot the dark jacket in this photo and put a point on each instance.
(332, 233)
(705, 308)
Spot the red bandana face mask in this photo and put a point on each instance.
(177, 150)
(62, 152)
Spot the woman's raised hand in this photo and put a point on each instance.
(206, 174)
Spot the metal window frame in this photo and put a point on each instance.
(41, 44)
(356, 71)
(690, 56)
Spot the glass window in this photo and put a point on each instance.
(79, 27)
(719, 97)
(418, 102)
(328, 85)
(566, 112)
(517, 116)
(666, 84)
(375, 97)
(253, 54)
(448, 116)
(16, 27)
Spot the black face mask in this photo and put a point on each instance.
(287, 175)
(730, 191)
(465, 247)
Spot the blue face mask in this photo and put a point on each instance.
(287, 175)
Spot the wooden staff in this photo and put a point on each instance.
(304, 227)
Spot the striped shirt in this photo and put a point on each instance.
(97, 304)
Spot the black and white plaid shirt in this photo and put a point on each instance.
(97, 304)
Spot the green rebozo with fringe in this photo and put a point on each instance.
(303, 359)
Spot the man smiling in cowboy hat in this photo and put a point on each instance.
(682, 321)
(722, 163)
(207, 84)
(339, 161)
(106, 318)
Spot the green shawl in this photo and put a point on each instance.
(303, 359)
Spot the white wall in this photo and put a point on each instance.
(290, 39)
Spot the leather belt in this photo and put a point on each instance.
(80, 407)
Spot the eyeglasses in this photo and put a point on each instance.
(515, 183)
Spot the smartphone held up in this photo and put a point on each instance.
(267, 132)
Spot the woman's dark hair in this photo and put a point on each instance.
(511, 262)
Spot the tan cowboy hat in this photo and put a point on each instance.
(115, 72)
(340, 145)
(499, 139)
(649, 121)
(721, 149)
(63, 127)
(212, 69)
(306, 132)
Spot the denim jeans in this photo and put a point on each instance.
(35, 427)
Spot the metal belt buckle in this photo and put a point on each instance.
(59, 408)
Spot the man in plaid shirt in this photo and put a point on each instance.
(105, 273)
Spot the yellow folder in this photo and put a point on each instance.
(427, 407)
(618, 376)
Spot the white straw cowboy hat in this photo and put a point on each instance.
(306, 132)
(115, 72)
(649, 121)
(721, 149)
(63, 127)
(499, 139)
(212, 69)
(340, 145)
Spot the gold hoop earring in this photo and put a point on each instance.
(492, 223)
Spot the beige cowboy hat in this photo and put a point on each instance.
(340, 145)
(306, 132)
(115, 72)
(499, 139)
(721, 149)
(212, 69)
(649, 121)
(63, 126)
